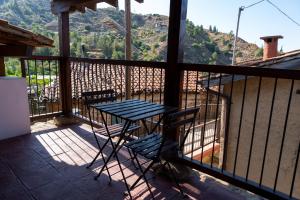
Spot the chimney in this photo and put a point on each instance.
(270, 46)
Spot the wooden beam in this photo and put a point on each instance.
(15, 51)
(77, 5)
(2, 66)
(16, 34)
(128, 47)
(65, 68)
(173, 74)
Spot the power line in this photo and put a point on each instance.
(245, 7)
(242, 8)
(294, 21)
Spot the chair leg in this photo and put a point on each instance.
(93, 160)
(175, 179)
(100, 152)
(115, 148)
(132, 159)
(123, 175)
(143, 175)
(138, 180)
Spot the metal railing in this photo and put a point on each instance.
(256, 145)
(146, 83)
(255, 142)
(43, 89)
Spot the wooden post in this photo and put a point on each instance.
(2, 66)
(65, 70)
(128, 48)
(173, 75)
(23, 67)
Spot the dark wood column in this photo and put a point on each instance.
(173, 74)
(65, 70)
(128, 47)
(2, 66)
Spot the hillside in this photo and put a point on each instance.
(101, 34)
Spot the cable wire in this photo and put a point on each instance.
(245, 7)
(294, 21)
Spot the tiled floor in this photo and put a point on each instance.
(51, 163)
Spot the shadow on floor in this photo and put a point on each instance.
(51, 164)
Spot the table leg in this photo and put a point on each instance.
(115, 148)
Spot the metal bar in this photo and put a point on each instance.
(50, 80)
(234, 180)
(216, 122)
(254, 126)
(244, 70)
(295, 171)
(284, 132)
(240, 126)
(205, 116)
(268, 132)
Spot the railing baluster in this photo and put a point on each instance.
(295, 172)
(240, 125)
(253, 128)
(205, 117)
(59, 108)
(195, 105)
(284, 133)
(227, 116)
(50, 89)
(216, 120)
(37, 87)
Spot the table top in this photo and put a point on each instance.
(134, 109)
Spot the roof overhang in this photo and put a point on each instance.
(13, 35)
(59, 6)
(19, 42)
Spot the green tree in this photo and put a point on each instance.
(105, 43)
(259, 52)
(213, 58)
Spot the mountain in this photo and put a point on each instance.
(101, 34)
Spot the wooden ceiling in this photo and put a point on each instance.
(13, 35)
(59, 6)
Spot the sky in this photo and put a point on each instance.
(256, 21)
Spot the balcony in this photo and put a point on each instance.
(246, 132)
(248, 142)
(50, 163)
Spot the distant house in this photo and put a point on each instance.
(255, 95)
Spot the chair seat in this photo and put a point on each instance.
(149, 146)
(115, 130)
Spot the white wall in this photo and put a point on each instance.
(14, 109)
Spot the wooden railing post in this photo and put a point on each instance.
(23, 67)
(173, 74)
(65, 68)
(2, 66)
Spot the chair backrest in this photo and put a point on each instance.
(98, 96)
(184, 118)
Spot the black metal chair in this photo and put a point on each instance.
(110, 131)
(154, 146)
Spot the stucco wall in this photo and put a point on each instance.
(292, 137)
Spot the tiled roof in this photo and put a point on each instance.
(289, 60)
(285, 57)
(101, 77)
